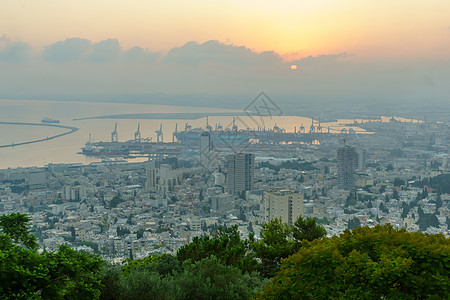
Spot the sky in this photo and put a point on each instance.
(343, 48)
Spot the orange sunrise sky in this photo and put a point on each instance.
(294, 29)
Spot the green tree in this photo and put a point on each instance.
(73, 275)
(140, 233)
(27, 274)
(383, 208)
(366, 263)
(164, 264)
(92, 245)
(367, 188)
(15, 226)
(399, 182)
(227, 246)
(405, 210)
(278, 241)
(130, 220)
(204, 279)
(115, 201)
(110, 276)
(250, 227)
(395, 195)
(209, 279)
(164, 277)
(353, 223)
(275, 244)
(72, 233)
(142, 284)
(306, 229)
(438, 202)
(427, 220)
(121, 231)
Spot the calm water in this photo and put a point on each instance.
(64, 149)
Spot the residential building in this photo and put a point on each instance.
(241, 172)
(346, 165)
(283, 204)
(206, 149)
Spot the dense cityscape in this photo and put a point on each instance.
(397, 174)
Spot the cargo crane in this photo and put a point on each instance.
(137, 134)
(312, 129)
(208, 127)
(159, 135)
(302, 129)
(319, 128)
(234, 127)
(115, 135)
(175, 133)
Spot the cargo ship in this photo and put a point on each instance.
(49, 120)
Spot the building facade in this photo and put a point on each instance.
(346, 165)
(282, 204)
(151, 178)
(241, 172)
(361, 162)
(206, 149)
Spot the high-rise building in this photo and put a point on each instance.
(168, 179)
(206, 149)
(162, 175)
(283, 204)
(241, 172)
(361, 158)
(346, 165)
(151, 177)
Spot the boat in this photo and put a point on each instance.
(91, 149)
(49, 120)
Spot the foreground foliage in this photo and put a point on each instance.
(366, 263)
(227, 246)
(27, 274)
(279, 241)
(164, 277)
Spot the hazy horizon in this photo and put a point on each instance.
(368, 52)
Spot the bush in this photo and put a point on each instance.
(366, 263)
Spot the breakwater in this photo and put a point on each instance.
(70, 130)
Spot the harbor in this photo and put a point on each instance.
(224, 138)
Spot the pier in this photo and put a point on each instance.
(69, 128)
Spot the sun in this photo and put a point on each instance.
(294, 67)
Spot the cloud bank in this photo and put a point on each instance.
(13, 51)
(77, 66)
(77, 49)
